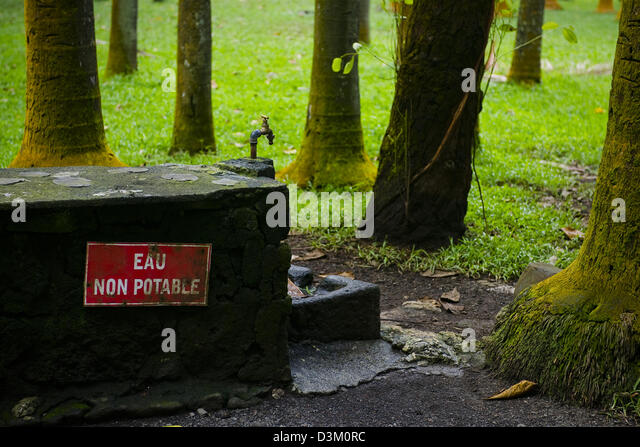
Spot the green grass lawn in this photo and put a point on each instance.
(262, 53)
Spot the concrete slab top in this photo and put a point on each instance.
(74, 186)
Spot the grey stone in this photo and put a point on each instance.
(180, 177)
(258, 167)
(300, 276)
(66, 412)
(423, 347)
(277, 393)
(533, 274)
(62, 174)
(72, 182)
(34, 174)
(225, 181)
(341, 309)
(11, 181)
(127, 170)
(427, 349)
(37, 191)
(25, 407)
(202, 411)
(322, 368)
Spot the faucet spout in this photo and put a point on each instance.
(264, 130)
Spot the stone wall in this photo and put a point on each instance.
(51, 341)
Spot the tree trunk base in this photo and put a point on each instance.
(553, 4)
(579, 345)
(30, 159)
(523, 78)
(358, 172)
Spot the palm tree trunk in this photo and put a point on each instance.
(553, 4)
(123, 38)
(63, 122)
(605, 6)
(365, 28)
(332, 150)
(193, 119)
(525, 65)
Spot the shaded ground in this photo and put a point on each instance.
(405, 397)
(400, 398)
(482, 299)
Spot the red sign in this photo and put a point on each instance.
(146, 274)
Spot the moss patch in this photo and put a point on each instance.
(559, 345)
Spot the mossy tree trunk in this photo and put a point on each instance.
(605, 6)
(433, 122)
(364, 24)
(553, 4)
(123, 38)
(63, 122)
(525, 65)
(578, 332)
(332, 150)
(193, 119)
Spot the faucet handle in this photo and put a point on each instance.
(265, 121)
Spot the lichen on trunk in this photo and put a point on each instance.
(123, 38)
(63, 122)
(332, 151)
(433, 122)
(193, 120)
(525, 65)
(578, 332)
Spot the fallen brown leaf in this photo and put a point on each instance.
(572, 233)
(520, 389)
(455, 309)
(294, 291)
(425, 303)
(437, 274)
(345, 274)
(310, 256)
(452, 295)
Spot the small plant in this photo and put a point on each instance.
(627, 404)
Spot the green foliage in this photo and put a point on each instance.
(569, 34)
(627, 404)
(336, 64)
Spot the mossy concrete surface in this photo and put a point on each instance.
(52, 343)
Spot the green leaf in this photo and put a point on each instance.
(570, 34)
(549, 25)
(336, 65)
(507, 28)
(408, 2)
(349, 66)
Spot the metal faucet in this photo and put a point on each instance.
(264, 130)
